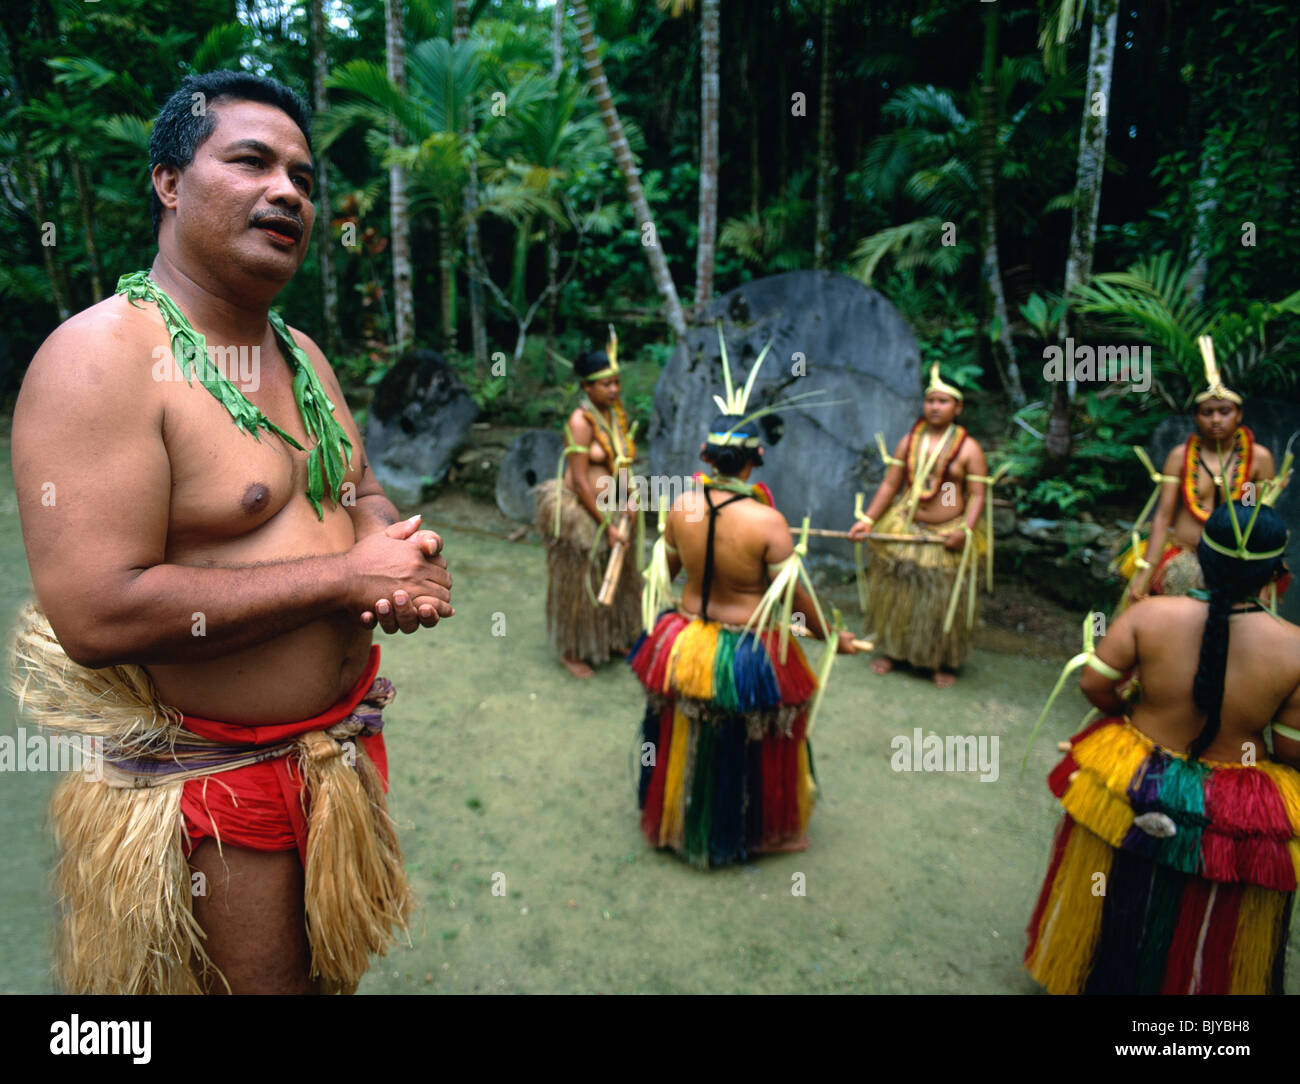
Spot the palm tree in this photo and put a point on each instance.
(477, 310)
(552, 228)
(1065, 18)
(548, 144)
(443, 83)
(935, 157)
(825, 160)
(1151, 302)
(623, 156)
(325, 236)
(399, 210)
(988, 151)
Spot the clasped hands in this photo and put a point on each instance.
(402, 611)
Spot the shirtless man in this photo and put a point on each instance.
(574, 526)
(910, 584)
(749, 757)
(1175, 801)
(160, 534)
(1222, 449)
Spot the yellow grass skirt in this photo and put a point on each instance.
(908, 590)
(128, 924)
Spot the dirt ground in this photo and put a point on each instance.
(503, 764)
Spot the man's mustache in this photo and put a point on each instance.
(281, 217)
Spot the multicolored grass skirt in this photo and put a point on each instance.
(1167, 876)
(727, 771)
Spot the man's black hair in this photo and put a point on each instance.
(178, 132)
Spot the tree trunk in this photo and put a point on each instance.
(552, 230)
(446, 271)
(623, 157)
(557, 38)
(821, 234)
(708, 231)
(321, 197)
(477, 302)
(1205, 200)
(1092, 153)
(783, 142)
(1056, 441)
(755, 181)
(52, 269)
(1002, 351)
(85, 204)
(399, 205)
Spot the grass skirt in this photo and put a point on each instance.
(726, 768)
(908, 589)
(128, 925)
(1166, 875)
(577, 626)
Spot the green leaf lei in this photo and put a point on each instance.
(328, 461)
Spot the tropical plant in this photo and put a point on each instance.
(1151, 301)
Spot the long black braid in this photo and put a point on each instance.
(1230, 580)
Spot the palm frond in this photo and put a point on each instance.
(221, 47)
(909, 238)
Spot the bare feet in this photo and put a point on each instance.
(882, 664)
(943, 679)
(577, 668)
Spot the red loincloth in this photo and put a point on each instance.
(261, 806)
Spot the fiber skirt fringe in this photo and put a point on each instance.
(1167, 876)
(908, 589)
(128, 925)
(577, 626)
(731, 771)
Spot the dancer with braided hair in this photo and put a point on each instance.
(726, 756)
(1174, 870)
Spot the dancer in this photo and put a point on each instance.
(1174, 870)
(205, 592)
(1220, 456)
(726, 760)
(580, 534)
(914, 588)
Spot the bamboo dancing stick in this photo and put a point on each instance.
(861, 645)
(614, 569)
(874, 536)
